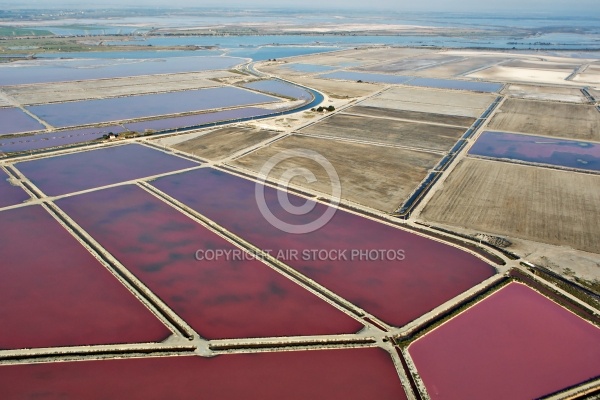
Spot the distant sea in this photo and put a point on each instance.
(541, 31)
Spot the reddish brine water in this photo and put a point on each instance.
(220, 297)
(146, 105)
(538, 149)
(10, 194)
(14, 120)
(55, 293)
(329, 374)
(515, 344)
(394, 289)
(85, 170)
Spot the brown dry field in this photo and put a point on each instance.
(388, 131)
(459, 67)
(387, 53)
(366, 55)
(411, 115)
(439, 97)
(423, 107)
(588, 77)
(338, 89)
(544, 205)
(410, 64)
(379, 177)
(572, 121)
(343, 58)
(3, 101)
(550, 93)
(106, 88)
(283, 70)
(223, 142)
(567, 67)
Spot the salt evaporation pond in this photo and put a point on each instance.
(14, 120)
(96, 168)
(277, 87)
(186, 121)
(132, 107)
(56, 138)
(220, 297)
(131, 55)
(10, 194)
(349, 374)
(55, 293)
(538, 149)
(395, 290)
(515, 344)
(44, 71)
(267, 52)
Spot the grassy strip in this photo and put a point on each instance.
(9, 31)
(555, 296)
(570, 288)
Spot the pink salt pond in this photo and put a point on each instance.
(84, 170)
(10, 194)
(515, 344)
(55, 293)
(391, 273)
(353, 374)
(229, 296)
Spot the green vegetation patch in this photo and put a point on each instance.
(9, 31)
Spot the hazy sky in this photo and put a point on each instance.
(585, 7)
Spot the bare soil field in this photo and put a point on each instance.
(386, 53)
(528, 75)
(223, 142)
(549, 93)
(423, 107)
(379, 177)
(4, 102)
(411, 116)
(458, 68)
(281, 69)
(593, 68)
(544, 205)
(543, 65)
(324, 59)
(410, 64)
(337, 89)
(588, 77)
(362, 56)
(439, 97)
(387, 131)
(106, 88)
(571, 121)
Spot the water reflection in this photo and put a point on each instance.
(220, 297)
(394, 290)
